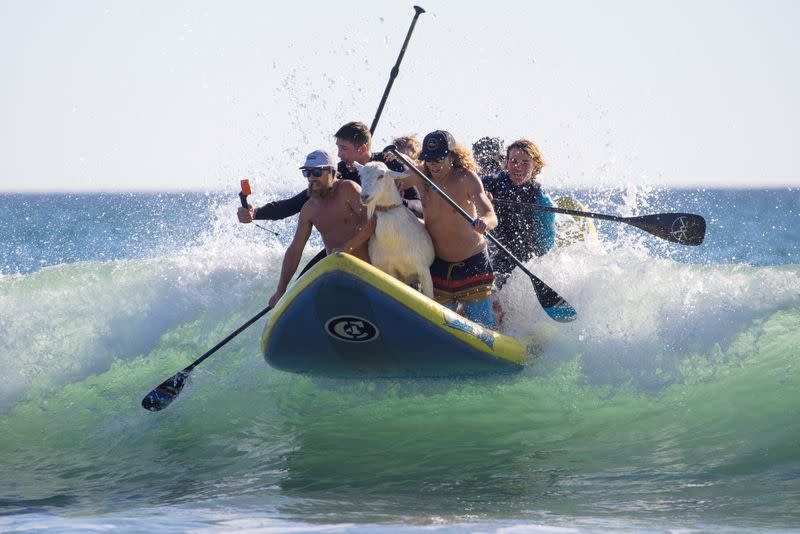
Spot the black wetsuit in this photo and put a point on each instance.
(281, 209)
(523, 231)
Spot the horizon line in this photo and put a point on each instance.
(230, 191)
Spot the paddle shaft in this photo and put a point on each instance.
(395, 69)
(683, 228)
(160, 397)
(215, 348)
(565, 211)
(548, 298)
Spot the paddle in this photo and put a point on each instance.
(395, 70)
(556, 307)
(165, 393)
(683, 228)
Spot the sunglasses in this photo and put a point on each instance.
(316, 173)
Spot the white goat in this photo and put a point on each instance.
(400, 246)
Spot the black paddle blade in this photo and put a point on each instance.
(683, 228)
(159, 398)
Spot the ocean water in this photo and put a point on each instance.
(671, 404)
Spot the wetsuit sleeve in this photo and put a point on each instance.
(413, 201)
(281, 209)
(544, 226)
(411, 194)
(393, 165)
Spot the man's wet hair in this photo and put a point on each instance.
(530, 148)
(408, 144)
(355, 132)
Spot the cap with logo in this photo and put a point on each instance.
(437, 145)
(318, 158)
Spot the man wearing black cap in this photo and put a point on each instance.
(461, 272)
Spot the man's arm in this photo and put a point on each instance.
(410, 180)
(281, 209)
(365, 228)
(486, 218)
(412, 201)
(352, 196)
(293, 254)
(361, 237)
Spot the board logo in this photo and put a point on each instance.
(351, 329)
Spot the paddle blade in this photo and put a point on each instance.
(562, 312)
(683, 228)
(164, 394)
(552, 303)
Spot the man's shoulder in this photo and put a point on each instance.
(346, 189)
(309, 207)
(346, 185)
(467, 177)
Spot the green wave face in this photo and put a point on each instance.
(619, 415)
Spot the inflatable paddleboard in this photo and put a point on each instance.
(346, 318)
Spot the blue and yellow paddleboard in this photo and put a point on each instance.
(346, 318)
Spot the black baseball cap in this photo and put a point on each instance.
(437, 145)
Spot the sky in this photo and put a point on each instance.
(196, 95)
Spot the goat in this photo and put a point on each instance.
(400, 245)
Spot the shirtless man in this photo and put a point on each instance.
(353, 143)
(461, 272)
(334, 209)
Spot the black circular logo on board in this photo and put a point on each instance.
(352, 329)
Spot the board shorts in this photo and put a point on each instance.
(468, 282)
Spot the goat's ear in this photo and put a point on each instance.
(357, 165)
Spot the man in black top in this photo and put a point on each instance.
(353, 141)
(524, 231)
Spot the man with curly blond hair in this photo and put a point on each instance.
(461, 273)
